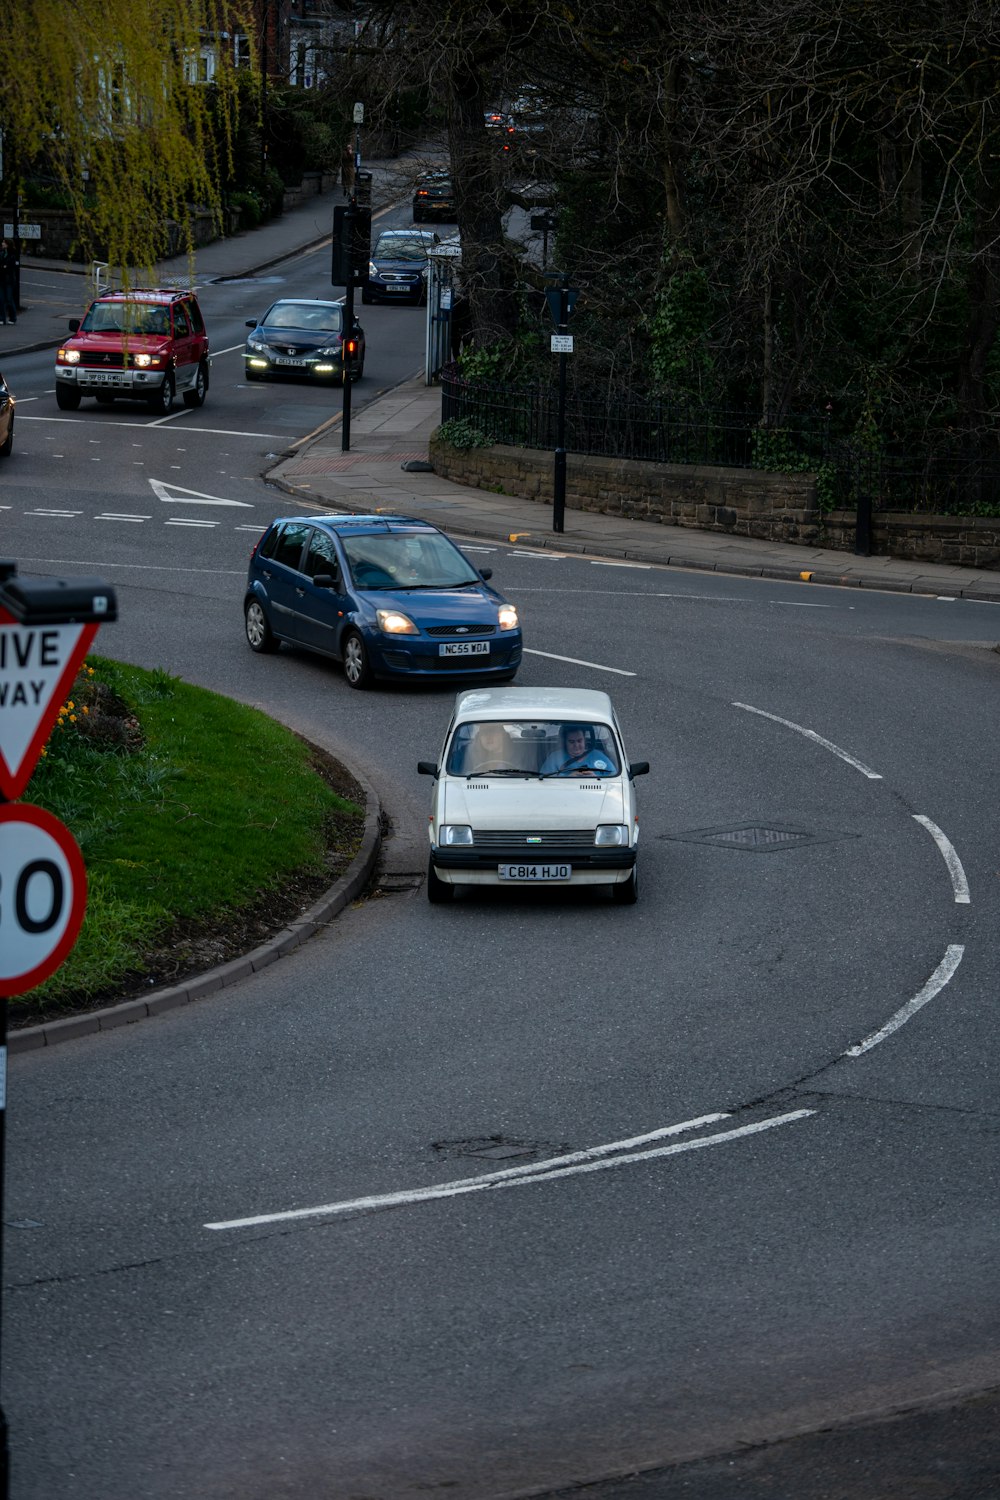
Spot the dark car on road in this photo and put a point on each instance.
(385, 595)
(434, 197)
(304, 338)
(397, 271)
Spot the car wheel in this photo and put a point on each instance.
(438, 891)
(626, 892)
(357, 667)
(162, 399)
(196, 395)
(259, 633)
(104, 398)
(7, 447)
(67, 397)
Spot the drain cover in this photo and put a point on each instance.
(758, 838)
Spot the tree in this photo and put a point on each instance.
(107, 98)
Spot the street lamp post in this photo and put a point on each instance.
(347, 333)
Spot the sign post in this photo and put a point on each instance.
(47, 626)
(561, 300)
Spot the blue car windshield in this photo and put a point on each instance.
(400, 247)
(407, 560)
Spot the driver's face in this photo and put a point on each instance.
(576, 742)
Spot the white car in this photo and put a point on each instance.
(533, 788)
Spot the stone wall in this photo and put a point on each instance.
(742, 502)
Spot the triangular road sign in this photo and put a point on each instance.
(37, 666)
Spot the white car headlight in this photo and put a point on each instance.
(454, 833)
(611, 835)
(392, 622)
(372, 268)
(508, 617)
(257, 345)
(69, 356)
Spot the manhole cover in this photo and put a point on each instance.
(758, 838)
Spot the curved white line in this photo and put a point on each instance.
(816, 738)
(942, 974)
(958, 881)
(543, 1171)
(576, 662)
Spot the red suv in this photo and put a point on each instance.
(143, 345)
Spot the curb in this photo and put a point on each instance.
(330, 905)
(463, 527)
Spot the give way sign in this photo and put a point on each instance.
(37, 666)
(43, 895)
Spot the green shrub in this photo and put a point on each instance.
(462, 432)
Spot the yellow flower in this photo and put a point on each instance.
(71, 704)
(72, 718)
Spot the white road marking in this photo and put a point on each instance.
(65, 513)
(576, 662)
(799, 604)
(595, 564)
(111, 516)
(816, 738)
(177, 494)
(177, 521)
(597, 1159)
(959, 883)
(546, 556)
(942, 974)
(133, 567)
(153, 426)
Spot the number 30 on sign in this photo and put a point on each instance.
(43, 895)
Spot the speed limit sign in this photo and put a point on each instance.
(43, 895)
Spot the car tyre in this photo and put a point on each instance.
(357, 667)
(7, 448)
(67, 398)
(196, 395)
(626, 892)
(162, 399)
(260, 636)
(438, 891)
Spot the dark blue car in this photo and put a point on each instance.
(387, 596)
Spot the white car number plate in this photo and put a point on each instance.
(280, 360)
(534, 872)
(465, 648)
(105, 379)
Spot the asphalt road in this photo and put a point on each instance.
(531, 1192)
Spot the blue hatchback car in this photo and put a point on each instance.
(387, 596)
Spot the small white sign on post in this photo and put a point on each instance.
(562, 343)
(24, 231)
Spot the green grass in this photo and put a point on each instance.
(189, 810)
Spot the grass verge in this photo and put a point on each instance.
(204, 825)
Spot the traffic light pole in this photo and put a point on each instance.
(347, 333)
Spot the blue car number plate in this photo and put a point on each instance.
(464, 648)
(534, 872)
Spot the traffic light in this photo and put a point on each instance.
(352, 233)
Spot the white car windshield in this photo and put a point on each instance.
(548, 747)
(407, 560)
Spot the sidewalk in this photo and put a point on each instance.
(393, 431)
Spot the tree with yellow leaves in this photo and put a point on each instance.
(110, 98)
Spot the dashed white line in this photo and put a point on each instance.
(597, 1159)
(959, 883)
(942, 974)
(817, 739)
(594, 563)
(576, 662)
(178, 522)
(111, 516)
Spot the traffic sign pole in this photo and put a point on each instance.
(46, 629)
